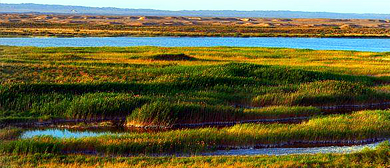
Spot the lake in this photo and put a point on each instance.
(359, 44)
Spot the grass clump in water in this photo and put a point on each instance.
(10, 133)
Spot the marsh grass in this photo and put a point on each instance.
(279, 112)
(167, 114)
(81, 82)
(86, 106)
(323, 93)
(202, 84)
(103, 105)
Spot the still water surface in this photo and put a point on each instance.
(66, 133)
(359, 44)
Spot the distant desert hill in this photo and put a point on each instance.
(61, 9)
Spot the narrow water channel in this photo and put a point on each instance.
(292, 151)
(66, 133)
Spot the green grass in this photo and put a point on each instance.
(167, 114)
(109, 82)
(322, 93)
(277, 112)
(160, 86)
(103, 105)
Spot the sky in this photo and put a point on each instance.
(340, 6)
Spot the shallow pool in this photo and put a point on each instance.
(65, 133)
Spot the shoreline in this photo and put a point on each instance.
(212, 36)
(120, 122)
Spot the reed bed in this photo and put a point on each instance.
(164, 114)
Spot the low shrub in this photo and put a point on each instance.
(171, 57)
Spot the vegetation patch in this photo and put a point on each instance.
(167, 114)
(322, 93)
(110, 85)
(279, 112)
(171, 57)
(104, 105)
(164, 114)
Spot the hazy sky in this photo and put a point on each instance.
(343, 6)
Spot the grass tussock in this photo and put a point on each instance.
(10, 133)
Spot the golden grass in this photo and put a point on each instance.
(16, 61)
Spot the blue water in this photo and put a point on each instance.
(359, 44)
(64, 133)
